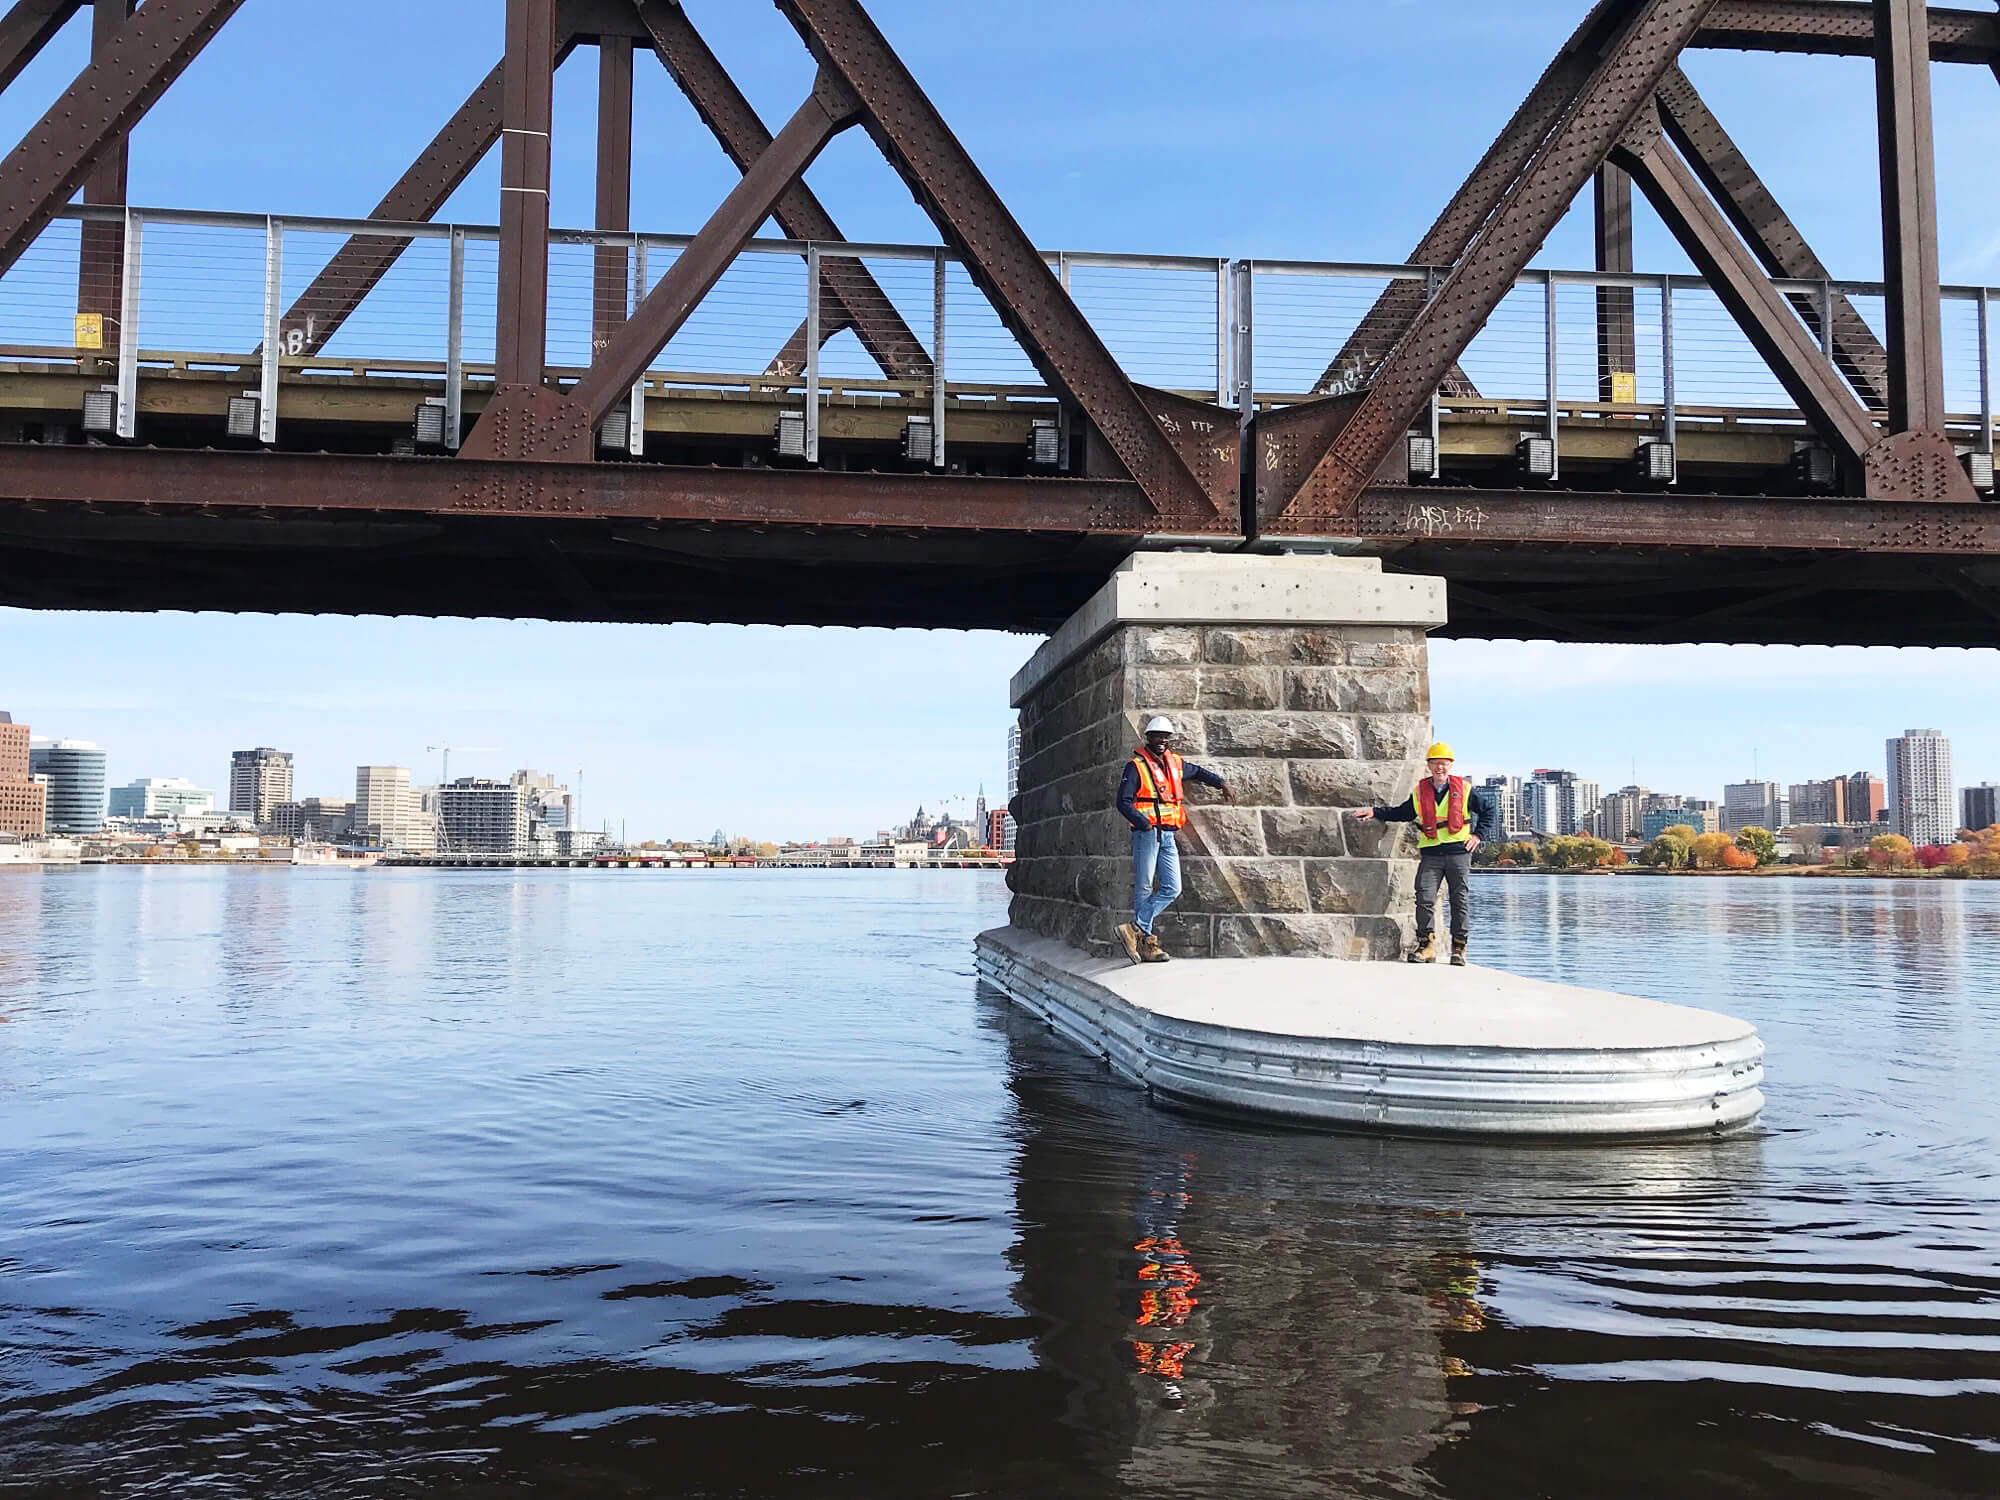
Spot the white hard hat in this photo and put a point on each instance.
(1161, 725)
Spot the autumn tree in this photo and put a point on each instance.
(1734, 858)
(1708, 850)
(1891, 851)
(1759, 843)
(1672, 850)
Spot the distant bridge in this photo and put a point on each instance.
(231, 411)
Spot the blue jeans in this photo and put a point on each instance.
(1156, 874)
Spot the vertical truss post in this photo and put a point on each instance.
(1986, 367)
(1222, 333)
(1667, 392)
(128, 328)
(1435, 425)
(1617, 334)
(614, 183)
(812, 352)
(521, 347)
(940, 280)
(635, 433)
(1909, 215)
(1826, 318)
(454, 344)
(1245, 359)
(101, 249)
(274, 309)
(1554, 426)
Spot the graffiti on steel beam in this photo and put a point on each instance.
(1444, 520)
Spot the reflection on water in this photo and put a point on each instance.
(599, 1184)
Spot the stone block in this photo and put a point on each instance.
(1395, 736)
(1372, 690)
(1251, 646)
(1289, 937)
(1226, 832)
(1257, 783)
(1361, 887)
(1305, 832)
(1347, 783)
(1386, 646)
(1165, 645)
(1186, 934)
(1284, 735)
(1241, 688)
(1243, 885)
(1321, 646)
(1155, 689)
(1382, 840)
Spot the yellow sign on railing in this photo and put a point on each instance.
(1624, 388)
(90, 330)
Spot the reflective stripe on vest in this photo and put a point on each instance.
(1161, 798)
(1455, 829)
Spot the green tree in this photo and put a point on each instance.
(1760, 843)
(1672, 850)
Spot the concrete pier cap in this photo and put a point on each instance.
(1304, 681)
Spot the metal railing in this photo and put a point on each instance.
(211, 291)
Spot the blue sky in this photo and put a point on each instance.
(1323, 129)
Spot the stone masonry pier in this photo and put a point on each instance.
(1302, 680)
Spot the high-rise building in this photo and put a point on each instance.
(1557, 802)
(1920, 787)
(548, 804)
(1504, 792)
(155, 797)
(482, 817)
(1979, 806)
(1754, 804)
(316, 820)
(1013, 761)
(258, 781)
(23, 800)
(1621, 817)
(1817, 802)
(388, 812)
(999, 829)
(1867, 798)
(74, 770)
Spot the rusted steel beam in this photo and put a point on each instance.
(527, 103)
(1314, 462)
(1656, 521)
(110, 96)
(1909, 218)
(852, 296)
(1842, 28)
(319, 482)
(1390, 318)
(1769, 231)
(1007, 267)
(28, 27)
(826, 112)
(100, 275)
(1617, 332)
(613, 270)
(1742, 287)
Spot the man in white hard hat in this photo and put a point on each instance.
(1153, 797)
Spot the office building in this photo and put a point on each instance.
(155, 797)
(1816, 802)
(1920, 787)
(1979, 806)
(258, 781)
(1504, 792)
(1000, 829)
(316, 820)
(23, 800)
(74, 773)
(1621, 817)
(482, 817)
(389, 812)
(1755, 804)
(1867, 798)
(1557, 802)
(1013, 761)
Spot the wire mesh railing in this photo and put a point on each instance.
(278, 298)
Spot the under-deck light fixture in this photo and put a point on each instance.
(791, 434)
(919, 441)
(1044, 444)
(245, 416)
(1979, 469)
(1536, 456)
(1657, 462)
(1814, 468)
(1423, 456)
(427, 429)
(615, 436)
(100, 410)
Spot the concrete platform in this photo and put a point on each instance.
(1400, 1048)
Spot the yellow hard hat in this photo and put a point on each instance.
(1439, 751)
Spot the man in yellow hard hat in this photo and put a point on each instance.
(1452, 821)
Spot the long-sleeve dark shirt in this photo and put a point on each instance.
(1479, 811)
(1128, 789)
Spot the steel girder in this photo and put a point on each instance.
(611, 277)
(1770, 232)
(100, 278)
(1909, 217)
(1617, 320)
(26, 29)
(1314, 460)
(109, 96)
(1183, 460)
(854, 299)
(1842, 28)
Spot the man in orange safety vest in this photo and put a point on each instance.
(1153, 797)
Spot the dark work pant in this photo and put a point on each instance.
(1452, 865)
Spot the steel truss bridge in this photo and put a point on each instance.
(395, 415)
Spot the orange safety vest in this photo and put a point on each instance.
(1427, 812)
(1161, 795)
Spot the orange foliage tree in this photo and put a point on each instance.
(1891, 851)
(1734, 858)
(1709, 850)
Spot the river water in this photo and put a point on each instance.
(630, 1183)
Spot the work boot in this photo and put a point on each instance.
(1134, 941)
(1151, 952)
(1458, 953)
(1426, 951)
